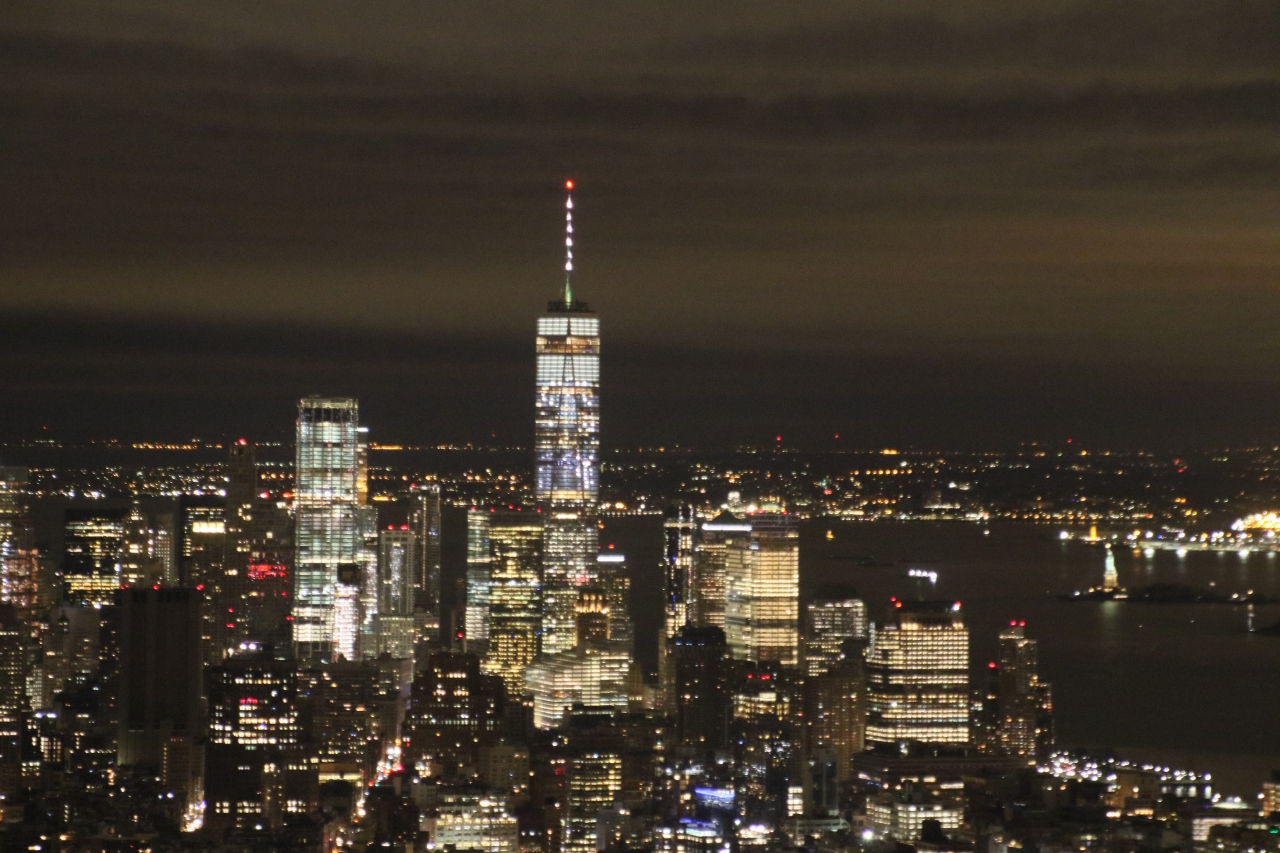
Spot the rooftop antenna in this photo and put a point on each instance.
(568, 243)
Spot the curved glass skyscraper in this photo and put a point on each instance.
(567, 447)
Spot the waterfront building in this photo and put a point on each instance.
(327, 574)
(1025, 727)
(917, 667)
(762, 591)
(567, 448)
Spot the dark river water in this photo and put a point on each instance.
(1183, 685)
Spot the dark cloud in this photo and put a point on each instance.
(1020, 198)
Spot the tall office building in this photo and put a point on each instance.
(515, 601)
(762, 592)
(397, 591)
(19, 560)
(13, 703)
(425, 521)
(567, 446)
(706, 605)
(829, 625)
(328, 573)
(1023, 700)
(699, 696)
(478, 578)
(159, 686)
(918, 675)
(679, 528)
(257, 773)
(614, 586)
(94, 543)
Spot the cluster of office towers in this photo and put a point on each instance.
(255, 646)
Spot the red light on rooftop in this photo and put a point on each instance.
(242, 442)
(156, 586)
(568, 185)
(200, 586)
(991, 665)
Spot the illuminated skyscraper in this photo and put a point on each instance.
(614, 584)
(91, 558)
(13, 700)
(515, 602)
(593, 674)
(678, 531)
(829, 625)
(762, 592)
(478, 578)
(918, 675)
(19, 560)
(424, 522)
(1025, 723)
(397, 571)
(706, 604)
(567, 444)
(327, 576)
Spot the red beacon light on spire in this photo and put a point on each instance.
(568, 185)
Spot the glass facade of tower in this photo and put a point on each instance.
(762, 592)
(918, 675)
(567, 446)
(328, 571)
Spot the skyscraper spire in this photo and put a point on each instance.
(568, 243)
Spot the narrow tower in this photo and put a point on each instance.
(567, 448)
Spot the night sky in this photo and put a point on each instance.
(943, 224)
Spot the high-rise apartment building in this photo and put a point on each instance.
(917, 668)
(762, 591)
(515, 600)
(328, 572)
(829, 626)
(710, 551)
(567, 447)
(1023, 700)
